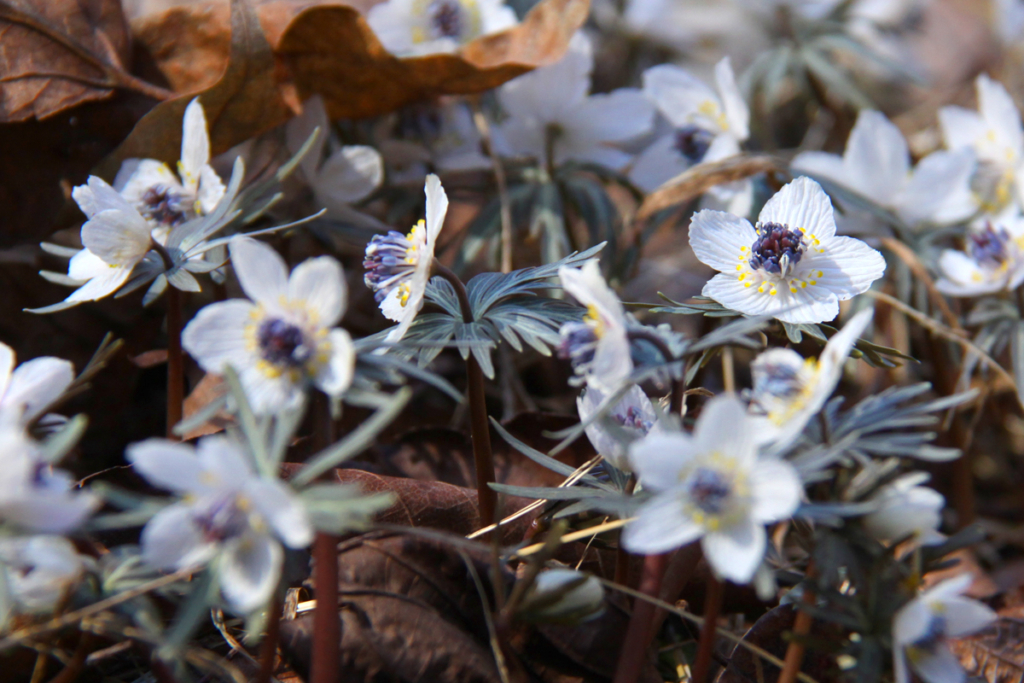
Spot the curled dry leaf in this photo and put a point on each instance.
(997, 653)
(697, 180)
(60, 53)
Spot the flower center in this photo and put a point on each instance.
(224, 517)
(164, 206)
(282, 343)
(930, 640)
(989, 246)
(391, 260)
(446, 19)
(693, 142)
(709, 491)
(777, 250)
(632, 419)
(992, 185)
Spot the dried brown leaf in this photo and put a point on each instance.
(699, 179)
(56, 54)
(997, 653)
(210, 388)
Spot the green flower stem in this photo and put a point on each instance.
(481, 431)
(326, 623)
(638, 635)
(705, 646)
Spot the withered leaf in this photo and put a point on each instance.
(697, 180)
(244, 102)
(996, 653)
(210, 388)
(60, 53)
(331, 51)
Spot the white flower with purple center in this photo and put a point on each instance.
(38, 572)
(634, 413)
(398, 266)
(789, 389)
(992, 260)
(28, 389)
(166, 199)
(921, 627)
(791, 266)
(284, 339)
(226, 513)
(421, 27)
(906, 509)
(598, 346)
(712, 486)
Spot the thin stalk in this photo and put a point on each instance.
(801, 627)
(268, 648)
(326, 624)
(621, 556)
(484, 129)
(728, 370)
(638, 635)
(705, 647)
(678, 385)
(480, 428)
(175, 362)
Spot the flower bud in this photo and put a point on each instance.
(563, 596)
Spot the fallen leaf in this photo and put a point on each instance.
(697, 180)
(60, 53)
(244, 102)
(210, 388)
(150, 359)
(997, 653)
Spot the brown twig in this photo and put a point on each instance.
(74, 667)
(801, 627)
(705, 647)
(621, 556)
(475, 394)
(638, 635)
(268, 648)
(175, 362)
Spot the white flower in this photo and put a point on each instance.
(921, 626)
(420, 27)
(789, 390)
(225, 511)
(706, 125)
(876, 165)
(993, 260)
(598, 347)
(26, 391)
(284, 339)
(634, 414)
(996, 135)
(398, 266)
(1008, 20)
(713, 486)
(551, 114)
(905, 508)
(33, 495)
(38, 571)
(792, 266)
(348, 174)
(161, 196)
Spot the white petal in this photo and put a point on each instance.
(848, 265)
(530, 95)
(318, 285)
(877, 160)
(136, 179)
(269, 392)
(36, 384)
(168, 465)
(49, 511)
(960, 127)
(963, 277)
(718, 239)
(615, 117)
(939, 665)
(588, 286)
(682, 98)
(801, 204)
(335, 376)
(965, 616)
(392, 308)
(723, 427)
(1001, 114)
(437, 207)
(735, 552)
(495, 16)
(822, 165)
(348, 175)
(939, 190)
(219, 335)
(837, 350)
(261, 271)
(660, 526)
(102, 285)
(86, 265)
(249, 571)
(776, 490)
(120, 238)
(810, 305)
(211, 189)
(736, 111)
(6, 367)
(657, 164)
(195, 144)
(172, 540)
(225, 463)
(660, 457)
(282, 510)
(391, 21)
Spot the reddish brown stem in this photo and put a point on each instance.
(175, 362)
(77, 663)
(638, 635)
(326, 624)
(705, 647)
(479, 425)
(621, 556)
(268, 648)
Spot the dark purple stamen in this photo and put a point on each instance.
(989, 245)
(693, 142)
(709, 491)
(282, 343)
(164, 206)
(778, 248)
(446, 18)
